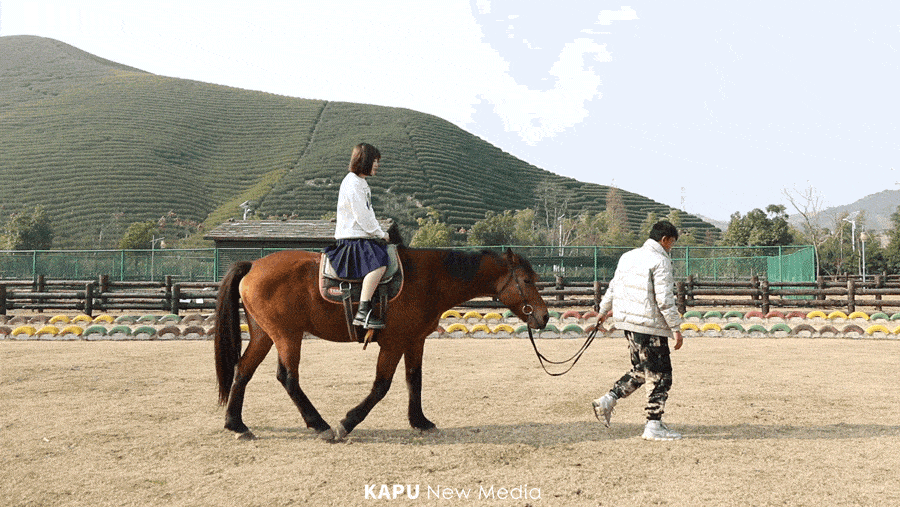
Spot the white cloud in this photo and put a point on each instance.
(536, 115)
(623, 14)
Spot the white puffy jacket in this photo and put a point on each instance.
(641, 293)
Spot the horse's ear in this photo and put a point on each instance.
(395, 237)
(511, 257)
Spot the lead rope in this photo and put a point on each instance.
(574, 359)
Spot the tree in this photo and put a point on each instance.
(892, 252)
(175, 228)
(591, 229)
(551, 208)
(138, 236)
(507, 228)
(28, 230)
(432, 232)
(759, 228)
(808, 204)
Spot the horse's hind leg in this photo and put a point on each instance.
(288, 375)
(259, 346)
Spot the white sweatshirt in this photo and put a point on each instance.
(355, 216)
(641, 293)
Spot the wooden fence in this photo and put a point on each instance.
(880, 292)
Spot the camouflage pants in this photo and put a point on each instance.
(651, 363)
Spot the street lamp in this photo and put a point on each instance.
(852, 232)
(153, 242)
(862, 239)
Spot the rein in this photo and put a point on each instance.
(575, 357)
(527, 309)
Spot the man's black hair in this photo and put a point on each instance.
(662, 229)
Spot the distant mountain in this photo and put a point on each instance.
(101, 145)
(878, 209)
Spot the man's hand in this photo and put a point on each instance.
(678, 340)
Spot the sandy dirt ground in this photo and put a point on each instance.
(766, 421)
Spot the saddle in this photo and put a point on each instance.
(346, 291)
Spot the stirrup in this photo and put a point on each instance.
(367, 320)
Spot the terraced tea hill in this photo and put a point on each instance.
(87, 138)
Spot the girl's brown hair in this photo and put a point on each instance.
(363, 158)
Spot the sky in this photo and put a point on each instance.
(707, 106)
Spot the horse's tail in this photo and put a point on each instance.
(228, 327)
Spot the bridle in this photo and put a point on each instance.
(528, 310)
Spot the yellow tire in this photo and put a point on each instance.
(82, 318)
(689, 326)
(493, 316)
(506, 328)
(837, 314)
(816, 313)
(451, 314)
(859, 315)
(245, 328)
(59, 318)
(472, 314)
(877, 328)
(711, 326)
(480, 327)
(103, 318)
(76, 330)
(51, 330)
(457, 327)
(29, 330)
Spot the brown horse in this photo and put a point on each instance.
(281, 298)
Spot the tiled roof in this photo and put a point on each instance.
(278, 229)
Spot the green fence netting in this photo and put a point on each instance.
(575, 264)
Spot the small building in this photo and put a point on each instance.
(251, 239)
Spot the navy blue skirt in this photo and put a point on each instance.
(356, 258)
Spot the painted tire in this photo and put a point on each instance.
(51, 330)
(100, 330)
(76, 330)
(781, 327)
(29, 330)
(457, 327)
(149, 330)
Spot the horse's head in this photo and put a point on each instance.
(517, 289)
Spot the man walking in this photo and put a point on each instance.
(641, 297)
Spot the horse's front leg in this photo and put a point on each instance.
(388, 359)
(413, 360)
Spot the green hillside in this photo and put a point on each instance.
(88, 138)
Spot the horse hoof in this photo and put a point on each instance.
(341, 433)
(247, 435)
(327, 435)
(430, 431)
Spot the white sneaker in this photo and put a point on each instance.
(603, 408)
(656, 430)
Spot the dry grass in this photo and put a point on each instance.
(767, 422)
